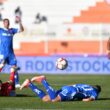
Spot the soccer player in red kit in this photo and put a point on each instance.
(7, 88)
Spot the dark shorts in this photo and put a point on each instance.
(67, 93)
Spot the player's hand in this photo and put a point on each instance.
(88, 99)
(18, 19)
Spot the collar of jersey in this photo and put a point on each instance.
(6, 29)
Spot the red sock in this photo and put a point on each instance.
(12, 76)
(0, 69)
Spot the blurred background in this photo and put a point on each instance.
(78, 29)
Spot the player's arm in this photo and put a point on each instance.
(88, 99)
(91, 98)
(108, 48)
(21, 27)
(20, 24)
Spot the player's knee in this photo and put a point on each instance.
(2, 65)
(12, 69)
(46, 99)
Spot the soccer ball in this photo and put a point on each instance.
(61, 63)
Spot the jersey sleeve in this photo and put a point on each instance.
(94, 95)
(15, 30)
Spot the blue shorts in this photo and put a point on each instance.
(67, 93)
(9, 59)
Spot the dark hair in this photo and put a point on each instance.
(5, 19)
(98, 88)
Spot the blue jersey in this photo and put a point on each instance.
(6, 43)
(6, 40)
(77, 91)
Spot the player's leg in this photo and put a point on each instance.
(2, 64)
(11, 88)
(12, 73)
(16, 76)
(51, 92)
(14, 69)
(35, 89)
(3, 61)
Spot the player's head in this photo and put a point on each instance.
(6, 23)
(98, 88)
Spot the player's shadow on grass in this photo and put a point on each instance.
(20, 95)
(96, 100)
(24, 95)
(104, 98)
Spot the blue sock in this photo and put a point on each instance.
(36, 90)
(16, 78)
(49, 89)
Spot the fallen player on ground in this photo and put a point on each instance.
(73, 92)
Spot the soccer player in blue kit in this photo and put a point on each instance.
(7, 55)
(82, 92)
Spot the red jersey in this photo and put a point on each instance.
(6, 89)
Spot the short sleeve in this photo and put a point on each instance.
(94, 95)
(15, 30)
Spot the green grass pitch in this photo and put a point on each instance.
(27, 100)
